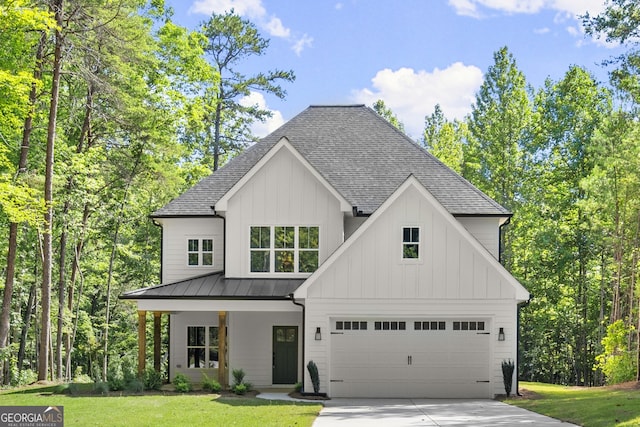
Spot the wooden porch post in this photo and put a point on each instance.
(157, 340)
(222, 348)
(142, 340)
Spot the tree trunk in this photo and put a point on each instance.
(26, 323)
(45, 329)
(5, 316)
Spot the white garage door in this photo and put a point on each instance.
(432, 358)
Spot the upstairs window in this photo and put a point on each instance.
(284, 249)
(200, 252)
(410, 242)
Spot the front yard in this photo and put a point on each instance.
(585, 406)
(166, 409)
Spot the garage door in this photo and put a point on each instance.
(431, 358)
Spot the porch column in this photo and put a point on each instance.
(222, 348)
(142, 340)
(157, 340)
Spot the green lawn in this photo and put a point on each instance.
(585, 406)
(166, 410)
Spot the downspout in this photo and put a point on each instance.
(224, 237)
(293, 300)
(518, 352)
(500, 238)
(157, 224)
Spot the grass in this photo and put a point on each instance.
(585, 406)
(165, 409)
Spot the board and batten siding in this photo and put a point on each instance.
(485, 230)
(282, 193)
(175, 235)
(250, 338)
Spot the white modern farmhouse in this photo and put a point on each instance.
(336, 239)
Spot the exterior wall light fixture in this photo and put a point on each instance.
(500, 334)
(318, 334)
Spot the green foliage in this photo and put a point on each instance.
(616, 361)
(298, 387)
(210, 384)
(445, 139)
(240, 386)
(380, 107)
(315, 377)
(152, 379)
(182, 383)
(101, 387)
(238, 376)
(138, 386)
(240, 389)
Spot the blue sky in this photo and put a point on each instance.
(413, 54)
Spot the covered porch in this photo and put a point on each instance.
(217, 324)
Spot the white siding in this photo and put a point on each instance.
(485, 230)
(178, 345)
(175, 235)
(249, 340)
(283, 192)
(251, 343)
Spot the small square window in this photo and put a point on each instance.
(385, 326)
(402, 326)
(347, 326)
(338, 326)
(456, 326)
(442, 326)
(417, 326)
(410, 242)
(481, 326)
(363, 326)
(378, 326)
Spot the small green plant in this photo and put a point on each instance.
(240, 389)
(182, 384)
(298, 387)
(240, 386)
(315, 377)
(507, 375)
(152, 379)
(210, 384)
(616, 361)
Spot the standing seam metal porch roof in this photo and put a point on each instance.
(216, 286)
(358, 152)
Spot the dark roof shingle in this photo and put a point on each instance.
(358, 152)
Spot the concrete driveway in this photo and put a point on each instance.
(427, 412)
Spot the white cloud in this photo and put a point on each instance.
(262, 129)
(474, 8)
(544, 30)
(302, 43)
(412, 95)
(256, 12)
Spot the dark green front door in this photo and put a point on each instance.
(285, 354)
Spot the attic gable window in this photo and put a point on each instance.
(410, 242)
(284, 249)
(200, 252)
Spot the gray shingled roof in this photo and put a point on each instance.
(359, 153)
(216, 286)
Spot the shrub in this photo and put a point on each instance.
(101, 387)
(616, 361)
(238, 376)
(507, 375)
(315, 377)
(239, 389)
(182, 384)
(210, 384)
(135, 386)
(152, 379)
(298, 387)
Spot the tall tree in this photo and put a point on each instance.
(383, 111)
(445, 139)
(230, 40)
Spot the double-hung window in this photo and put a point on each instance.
(200, 252)
(202, 346)
(284, 249)
(410, 242)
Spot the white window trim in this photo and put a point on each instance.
(420, 244)
(200, 239)
(272, 250)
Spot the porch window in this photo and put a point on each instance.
(202, 346)
(410, 242)
(284, 249)
(200, 252)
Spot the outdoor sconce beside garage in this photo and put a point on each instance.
(500, 334)
(318, 334)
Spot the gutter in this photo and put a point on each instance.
(304, 316)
